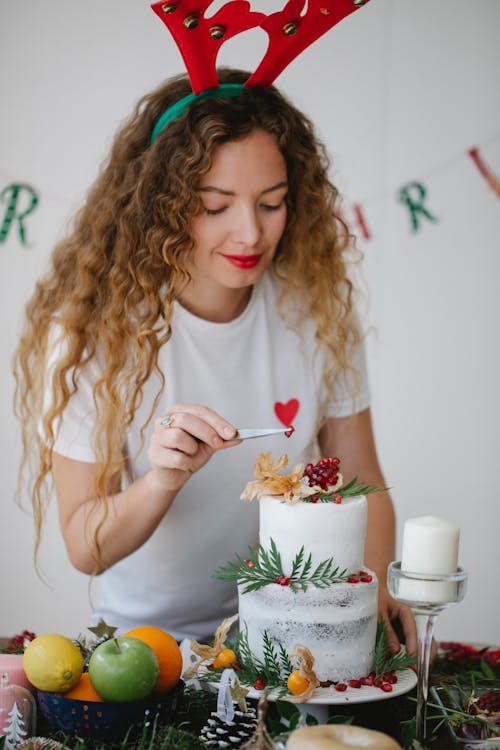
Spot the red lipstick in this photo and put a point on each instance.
(243, 261)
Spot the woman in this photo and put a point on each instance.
(202, 289)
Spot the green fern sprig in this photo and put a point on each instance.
(271, 660)
(263, 567)
(323, 576)
(351, 489)
(258, 570)
(273, 669)
(385, 661)
(354, 488)
(242, 649)
(298, 561)
(270, 561)
(286, 664)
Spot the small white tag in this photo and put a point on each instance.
(225, 706)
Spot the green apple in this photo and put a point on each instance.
(123, 669)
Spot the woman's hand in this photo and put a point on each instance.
(185, 444)
(400, 622)
(175, 451)
(401, 626)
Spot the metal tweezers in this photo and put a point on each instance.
(247, 434)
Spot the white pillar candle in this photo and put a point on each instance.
(430, 547)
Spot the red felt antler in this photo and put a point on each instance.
(290, 33)
(199, 39)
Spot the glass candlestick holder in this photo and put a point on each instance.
(427, 595)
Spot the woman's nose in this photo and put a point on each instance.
(247, 228)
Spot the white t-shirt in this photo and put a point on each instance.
(256, 372)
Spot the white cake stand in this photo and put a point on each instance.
(318, 705)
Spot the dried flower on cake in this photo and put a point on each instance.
(312, 483)
(305, 671)
(211, 652)
(268, 481)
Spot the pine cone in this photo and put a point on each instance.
(217, 733)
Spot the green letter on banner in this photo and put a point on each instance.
(11, 195)
(413, 196)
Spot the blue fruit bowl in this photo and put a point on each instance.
(107, 721)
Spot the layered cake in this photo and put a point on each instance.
(312, 532)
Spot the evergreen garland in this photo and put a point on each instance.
(263, 567)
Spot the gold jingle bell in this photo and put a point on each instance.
(191, 21)
(290, 28)
(217, 32)
(169, 7)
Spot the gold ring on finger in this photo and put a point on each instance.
(167, 421)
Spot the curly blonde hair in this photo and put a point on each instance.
(113, 280)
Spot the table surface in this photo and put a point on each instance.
(385, 716)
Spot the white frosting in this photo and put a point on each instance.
(324, 529)
(337, 623)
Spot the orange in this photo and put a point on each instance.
(84, 690)
(166, 651)
(296, 683)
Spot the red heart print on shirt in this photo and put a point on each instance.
(287, 412)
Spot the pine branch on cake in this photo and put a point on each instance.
(271, 659)
(257, 570)
(384, 661)
(351, 489)
(324, 575)
(298, 561)
(264, 567)
(270, 562)
(271, 672)
(286, 664)
(355, 488)
(242, 647)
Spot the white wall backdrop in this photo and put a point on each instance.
(400, 91)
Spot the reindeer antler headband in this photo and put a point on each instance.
(199, 40)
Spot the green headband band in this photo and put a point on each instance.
(225, 90)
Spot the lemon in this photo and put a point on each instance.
(53, 663)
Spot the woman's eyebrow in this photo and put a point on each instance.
(279, 185)
(214, 189)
